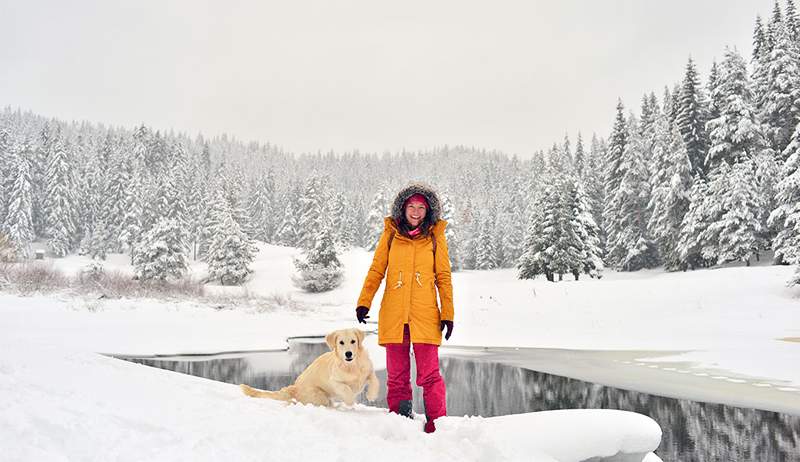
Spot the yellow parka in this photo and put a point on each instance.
(413, 274)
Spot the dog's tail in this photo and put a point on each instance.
(284, 394)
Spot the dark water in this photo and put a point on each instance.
(692, 431)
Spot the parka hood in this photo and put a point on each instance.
(435, 211)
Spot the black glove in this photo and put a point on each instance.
(449, 325)
(361, 314)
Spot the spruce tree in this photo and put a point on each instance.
(321, 270)
(739, 230)
(629, 246)
(162, 254)
(669, 202)
(451, 233)
(262, 209)
(786, 216)
(485, 245)
(19, 224)
(779, 90)
(288, 232)
(230, 250)
(613, 175)
(378, 210)
(311, 211)
(691, 240)
(735, 135)
(60, 197)
(691, 118)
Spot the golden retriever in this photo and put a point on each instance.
(339, 374)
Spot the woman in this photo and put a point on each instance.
(412, 254)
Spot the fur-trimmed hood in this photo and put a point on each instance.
(435, 211)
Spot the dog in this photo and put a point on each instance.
(337, 375)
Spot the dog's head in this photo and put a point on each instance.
(346, 343)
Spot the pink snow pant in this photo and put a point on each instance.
(398, 372)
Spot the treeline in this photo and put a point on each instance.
(705, 174)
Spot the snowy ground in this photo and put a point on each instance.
(57, 396)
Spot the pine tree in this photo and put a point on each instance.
(735, 134)
(321, 271)
(586, 251)
(580, 156)
(630, 247)
(288, 232)
(779, 90)
(538, 255)
(451, 233)
(230, 250)
(792, 25)
(691, 118)
(262, 208)
(669, 202)
(378, 210)
(161, 254)
(691, 242)
(613, 176)
(311, 212)
(132, 226)
(60, 197)
(786, 217)
(19, 224)
(485, 246)
(739, 229)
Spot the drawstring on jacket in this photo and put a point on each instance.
(399, 282)
(418, 281)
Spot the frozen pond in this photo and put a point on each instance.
(479, 385)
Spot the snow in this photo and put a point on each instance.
(61, 400)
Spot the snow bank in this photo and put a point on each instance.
(57, 404)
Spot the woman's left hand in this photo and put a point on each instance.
(449, 325)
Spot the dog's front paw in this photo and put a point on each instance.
(372, 393)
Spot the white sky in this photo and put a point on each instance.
(371, 75)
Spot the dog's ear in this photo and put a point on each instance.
(330, 339)
(360, 337)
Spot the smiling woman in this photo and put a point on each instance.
(412, 253)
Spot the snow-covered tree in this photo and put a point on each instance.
(739, 230)
(786, 216)
(59, 202)
(613, 175)
(289, 229)
(485, 248)
(629, 245)
(19, 224)
(321, 270)
(778, 90)
(311, 212)
(162, 253)
(669, 201)
(378, 210)
(690, 241)
(691, 118)
(262, 208)
(230, 250)
(735, 135)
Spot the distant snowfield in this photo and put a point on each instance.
(59, 397)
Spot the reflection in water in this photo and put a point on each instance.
(693, 431)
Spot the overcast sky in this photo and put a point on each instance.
(369, 75)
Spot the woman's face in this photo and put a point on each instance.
(415, 213)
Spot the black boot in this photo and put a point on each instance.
(405, 409)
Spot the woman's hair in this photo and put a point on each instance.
(425, 227)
